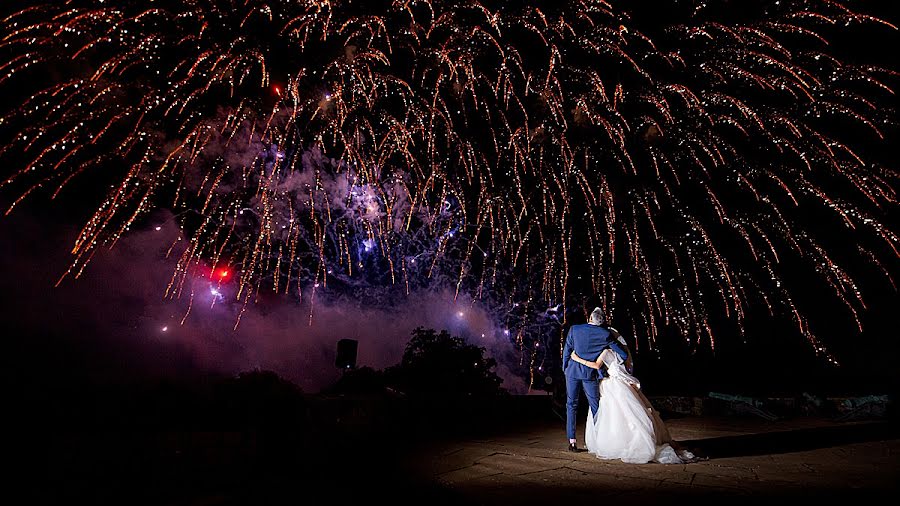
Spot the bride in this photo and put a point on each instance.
(626, 426)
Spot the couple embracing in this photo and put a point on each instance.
(621, 423)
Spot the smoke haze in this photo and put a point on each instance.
(119, 324)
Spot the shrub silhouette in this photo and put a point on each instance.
(442, 366)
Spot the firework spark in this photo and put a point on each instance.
(518, 152)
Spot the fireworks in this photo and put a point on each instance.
(518, 152)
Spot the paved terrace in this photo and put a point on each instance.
(749, 462)
(367, 454)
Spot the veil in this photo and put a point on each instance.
(615, 367)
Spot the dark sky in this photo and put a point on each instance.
(107, 326)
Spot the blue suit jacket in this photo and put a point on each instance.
(588, 341)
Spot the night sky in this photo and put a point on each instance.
(114, 324)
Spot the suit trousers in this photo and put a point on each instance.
(574, 386)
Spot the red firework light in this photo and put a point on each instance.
(221, 274)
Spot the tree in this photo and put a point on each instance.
(441, 366)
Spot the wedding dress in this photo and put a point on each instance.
(627, 427)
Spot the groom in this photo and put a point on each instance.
(588, 341)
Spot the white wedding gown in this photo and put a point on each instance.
(627, 427)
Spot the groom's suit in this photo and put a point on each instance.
(588, 341)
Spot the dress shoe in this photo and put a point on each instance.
(573, 448)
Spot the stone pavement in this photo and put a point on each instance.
(511, 457)
(747, 460)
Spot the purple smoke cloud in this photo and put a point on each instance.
(119, 303)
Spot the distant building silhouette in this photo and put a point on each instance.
(346, 354)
